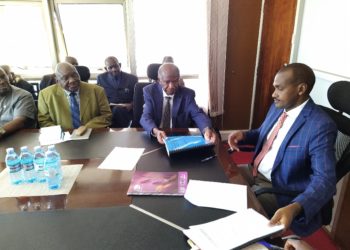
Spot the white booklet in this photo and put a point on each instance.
(232, 232)
(54, 134)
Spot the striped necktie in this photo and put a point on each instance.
(74, 109)
(167, 113)
(268, 143)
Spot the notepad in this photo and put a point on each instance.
(158, 183)
(177, 144)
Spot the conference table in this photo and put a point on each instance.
(96, 214)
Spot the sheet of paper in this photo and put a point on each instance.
(70, 173)
(122, 158)
(231, 231)
(54, 135)
(226, 196)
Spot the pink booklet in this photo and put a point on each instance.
(158, 183)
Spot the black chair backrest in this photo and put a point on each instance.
(84, 73)
(138, 103)
(338, 98)
(152, 71)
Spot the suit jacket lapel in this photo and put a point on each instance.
(176, 105)
(84, 99)
(301, 119)
(158, 106)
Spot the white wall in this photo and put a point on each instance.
(322, 41)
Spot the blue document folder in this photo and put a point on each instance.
(177, 144)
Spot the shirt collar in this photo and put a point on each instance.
(68, 92)
(166, 95)
(293, 113)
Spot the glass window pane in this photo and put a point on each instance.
(93, 32)
(24, 43)
(175, 28)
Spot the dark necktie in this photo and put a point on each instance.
(268, 143)
(74, 109)
(167, 113)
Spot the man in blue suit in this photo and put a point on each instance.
(168, 105)
(301, 158)
(119, 88)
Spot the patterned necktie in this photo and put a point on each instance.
(268, 144)
(167, 113)
(74, 109)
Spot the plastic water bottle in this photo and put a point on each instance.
(39, 160)
(27, 165)
(13, 163)
(53, 170)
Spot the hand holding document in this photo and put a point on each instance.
(227, 196)
(232, 232)
(54, 134)
(122, 158)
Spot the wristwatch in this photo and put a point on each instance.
(2, 131)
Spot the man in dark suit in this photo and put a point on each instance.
(300, 157)
(183, 110)
(119, 88)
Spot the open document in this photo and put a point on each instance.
(227, 196)
(122, 158)
(55, 134)
(232, 232)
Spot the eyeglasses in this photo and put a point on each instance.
(116, 66)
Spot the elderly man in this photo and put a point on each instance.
(294, 152)
(168, 105)
(17, 108)
(119, 88)
(72, 103)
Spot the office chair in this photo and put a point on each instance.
(138, 101)
(338, 98)
(83, 72)
(152, 72)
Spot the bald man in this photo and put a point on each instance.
(60, 104)
(119, 88)
(17, 108)
(183, 108)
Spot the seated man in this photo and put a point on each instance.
(294, 151)
(168, 105)
(18, 81)
(17, 108)
(72, 103)
(50, 79)
(119, 88)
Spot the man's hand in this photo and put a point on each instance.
(234, 138)
(210, 135)
(285, 215)
(160, 134)
(292, 244)
(81, 130)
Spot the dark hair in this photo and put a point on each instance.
(301, 74)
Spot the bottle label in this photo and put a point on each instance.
(28, 167)
(39, 167)
(15, 168)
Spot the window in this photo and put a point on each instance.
(93, 32)
(24, 44)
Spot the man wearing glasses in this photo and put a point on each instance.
(119, 88)
(72, 103)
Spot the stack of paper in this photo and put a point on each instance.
(233, 231)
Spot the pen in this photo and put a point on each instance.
(208, 158)
(292, 237)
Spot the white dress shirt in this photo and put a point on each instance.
(266, 164)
